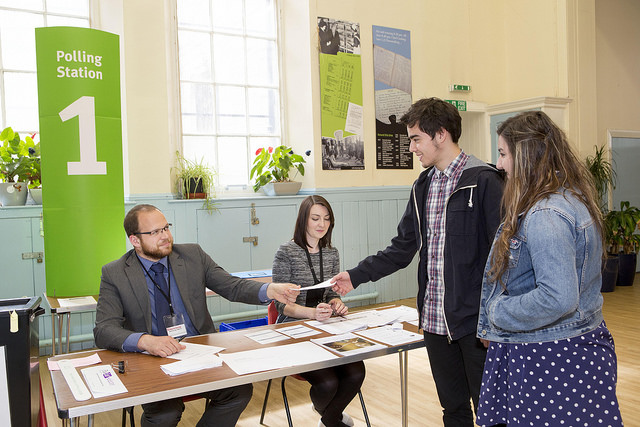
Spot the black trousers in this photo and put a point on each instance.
(224, 409)
(332, 389)
(457, 371)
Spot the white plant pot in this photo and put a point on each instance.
(289, 188)
(36, 195)
(13, 193)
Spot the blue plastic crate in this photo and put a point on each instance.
(232, 326)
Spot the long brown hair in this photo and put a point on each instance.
(300, 232)
(543, 164)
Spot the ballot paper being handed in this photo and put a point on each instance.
(103, 381)
(321, 285)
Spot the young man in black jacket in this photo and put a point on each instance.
(450, 221)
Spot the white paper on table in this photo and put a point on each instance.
(196, 363)
(321, 285)
(338, 325)
(282, 356)
(298, 331)
(373, 318)
(76, 301)
(195, 350)
(78, 362)
(103, 381)
(266, 336)
(347, 344)
(402, 313)
(414, 323)
(390, 335)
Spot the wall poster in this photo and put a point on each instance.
(341, 94)
(392, 84)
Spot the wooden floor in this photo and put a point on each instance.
(381, 388)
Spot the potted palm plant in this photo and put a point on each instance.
(622, 225)
(19, 165)
(271, 169)
(195, 180)
(604, 180)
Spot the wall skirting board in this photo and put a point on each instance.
(366, 220)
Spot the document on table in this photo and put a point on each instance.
(103, 381)
(347, 344)
(282, 356)
(195, 350)
(337, 325)
(402, 313)
(266, 336)
(298, 331)
(373, 318)
(390, 335)
(76, 301)
(77, 362)
(195, 363)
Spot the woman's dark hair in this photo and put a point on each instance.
(300, 232)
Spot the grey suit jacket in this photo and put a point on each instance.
(123, 305)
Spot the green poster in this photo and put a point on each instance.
(81, 150)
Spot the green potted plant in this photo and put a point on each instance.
(604, 180)
(621, 228)
(19, 165)
(195, 180)
(271, 169)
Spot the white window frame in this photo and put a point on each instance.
(175, 98)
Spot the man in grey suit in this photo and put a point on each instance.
(155, 293)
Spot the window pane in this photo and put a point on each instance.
(233, 170)
(198, 148)
(63, 21)
(264, 111)
(195, 56)
(227, 16)
(262, 62)
(197, 108)
(21, 94)
(24, 4)
(69, 7)
(231, 110)
(18, 38)
(228, 59)
(194, 14)
(261, 18)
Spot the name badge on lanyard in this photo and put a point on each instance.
(175, 325)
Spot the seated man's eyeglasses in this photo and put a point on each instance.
(154, 233)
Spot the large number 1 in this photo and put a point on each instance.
(85, 108)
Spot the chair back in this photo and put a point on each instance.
(272, 313)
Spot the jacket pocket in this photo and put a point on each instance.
(515, 246)
(461, 215)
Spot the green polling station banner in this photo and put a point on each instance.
(81, 151)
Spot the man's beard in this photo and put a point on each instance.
(156, 253)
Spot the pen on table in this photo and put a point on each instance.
(336, 313)
(181, 338)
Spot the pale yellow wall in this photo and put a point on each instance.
(618, 66)
(506, 50)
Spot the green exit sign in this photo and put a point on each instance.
(463, 88)
(460, 105)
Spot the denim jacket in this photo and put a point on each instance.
(554, 277)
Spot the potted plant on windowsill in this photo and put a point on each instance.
(271, 170)
(624, 241)
(19, 167)
(195, 180)
(604, 179)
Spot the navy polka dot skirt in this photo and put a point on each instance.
(570, 382)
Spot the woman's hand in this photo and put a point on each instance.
(338, 307)
(323, 311)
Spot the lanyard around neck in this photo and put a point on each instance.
(313, 271)
(158, 288)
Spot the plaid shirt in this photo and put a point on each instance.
(440, 188)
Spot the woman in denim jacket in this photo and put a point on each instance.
(551, 359)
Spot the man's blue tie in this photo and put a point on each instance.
(162, 305)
